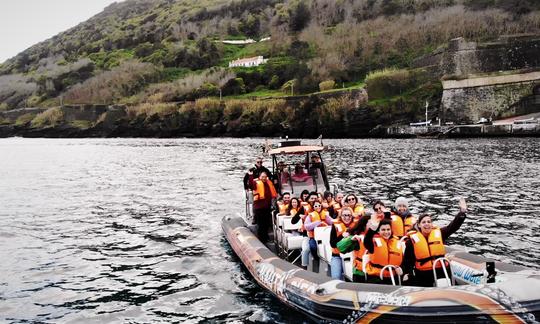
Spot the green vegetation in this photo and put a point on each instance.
(24, 119)
(156, 55)
(50, 117)
(81, 124)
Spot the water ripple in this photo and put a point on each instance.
(128, 230)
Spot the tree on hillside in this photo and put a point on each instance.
(299, 17)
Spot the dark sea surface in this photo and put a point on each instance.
(128, 230)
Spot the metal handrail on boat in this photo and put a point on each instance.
(392, 269)
(442, 260)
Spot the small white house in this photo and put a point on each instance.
(239, 41)
(248, 62)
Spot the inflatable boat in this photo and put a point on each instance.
(513, 298)
(481, 290)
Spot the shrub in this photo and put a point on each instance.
(110, 86)
(81, 124)
(210, 112)
(327, 85)
(191, 86)
(24, 119)
(392, 82)
(289, 86)
(150, 109)
(50, 117)
(3, 106)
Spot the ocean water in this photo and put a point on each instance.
(128, 230)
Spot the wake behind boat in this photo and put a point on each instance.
(480, 290)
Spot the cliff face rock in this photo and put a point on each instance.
(485, 79)
(466, 101)
(462, 58)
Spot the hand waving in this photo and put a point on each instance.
(462, 205)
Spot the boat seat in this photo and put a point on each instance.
(291, 238)
(347, 264)
(322, 237)
(279, 229)
(293, 242)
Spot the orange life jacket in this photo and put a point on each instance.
(293, 211)
(314, 218)
(358, 210)
(283, 208)
(258, 194)
(307, 207)
(385, 252)
(426, 251)
(400, 228)
(359, 254)
(337, 208)
(340, 229)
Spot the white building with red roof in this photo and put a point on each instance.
(248, 62)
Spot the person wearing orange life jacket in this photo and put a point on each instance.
(263, 195)
(355, 243)
(425, 244)
(301, 214)
(315, 219)
(357, 206)
(329, 203)
(294, 206)
(338, 204)
(384, 249)
(402, 219)
(339, 230)
(283, 203)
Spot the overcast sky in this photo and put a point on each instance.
(24, 23)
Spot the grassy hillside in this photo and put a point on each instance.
(158, 51)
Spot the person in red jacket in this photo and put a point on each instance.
(263, 195)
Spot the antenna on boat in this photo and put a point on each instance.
(320, 138)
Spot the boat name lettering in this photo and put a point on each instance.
(268, 274)
(305, 286)
(466, 273)
(385, 299)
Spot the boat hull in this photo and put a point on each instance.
(514, 299)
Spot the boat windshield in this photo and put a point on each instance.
(300, 171)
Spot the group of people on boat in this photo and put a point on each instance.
(379, 237)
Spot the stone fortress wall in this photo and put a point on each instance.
(485, 79)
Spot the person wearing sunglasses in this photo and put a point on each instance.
(351, 200)
(315, 219)
(306, 207)
(255, 172)
(340, 229)
(380, 211)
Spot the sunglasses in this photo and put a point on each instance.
(351, 199)
(346, 215)
(258, 162)
(378, 208)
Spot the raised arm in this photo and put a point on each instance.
(456, 223)
(309, 225)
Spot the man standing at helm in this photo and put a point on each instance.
(263, 195)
